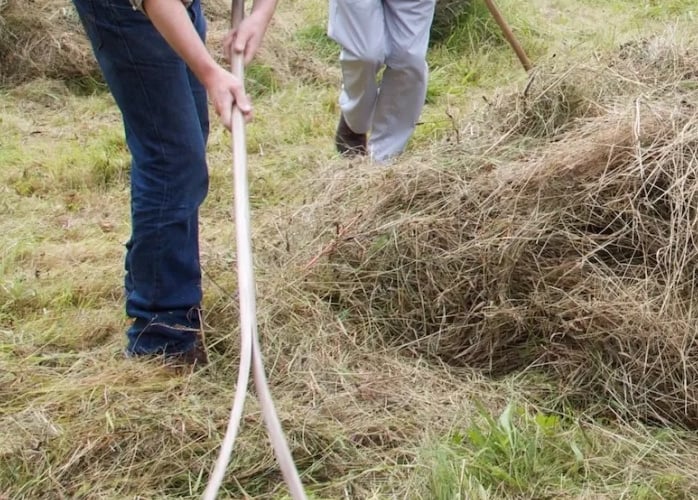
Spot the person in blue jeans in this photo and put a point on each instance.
(153, 57)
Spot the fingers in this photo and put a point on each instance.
(240, 41)
(250, 51)
(227, 118)
(244, 40)
(243, 102)
(226, 90)
(248, 116)
(238, 98)
(226, 115)
(227, 43)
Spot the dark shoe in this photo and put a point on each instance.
(196, 357)
(190, 355)
(348, 142)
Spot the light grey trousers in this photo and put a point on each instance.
(373, 34)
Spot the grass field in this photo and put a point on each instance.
(371, 409)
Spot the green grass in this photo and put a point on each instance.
(528, 453)
(313, 39)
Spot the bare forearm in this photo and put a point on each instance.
(264, 8)
(171, 19)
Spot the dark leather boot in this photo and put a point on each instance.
(348, 142)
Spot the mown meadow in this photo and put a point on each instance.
(506, 311)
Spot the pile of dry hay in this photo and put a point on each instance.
(565, 246)
(40, 38)
(44, 39)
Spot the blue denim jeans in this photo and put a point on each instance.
(165, 115)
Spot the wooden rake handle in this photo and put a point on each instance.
(250, 351)
(509, 34)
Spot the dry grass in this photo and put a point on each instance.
(546, 238)
(42, 39)
(575, 256)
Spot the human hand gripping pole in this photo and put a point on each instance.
(250, 352)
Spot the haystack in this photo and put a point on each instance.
(41, 38)
(44, 39)
(574, 255)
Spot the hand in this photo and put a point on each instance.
(226, 90)
(247, 38)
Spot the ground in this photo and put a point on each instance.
(365, 418)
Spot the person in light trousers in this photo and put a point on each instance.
(379, 117)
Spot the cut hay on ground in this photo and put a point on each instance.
(577, 260)
(45, 39)
(42, 39)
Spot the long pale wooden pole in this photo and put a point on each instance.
(509, 34)
(250, 351)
